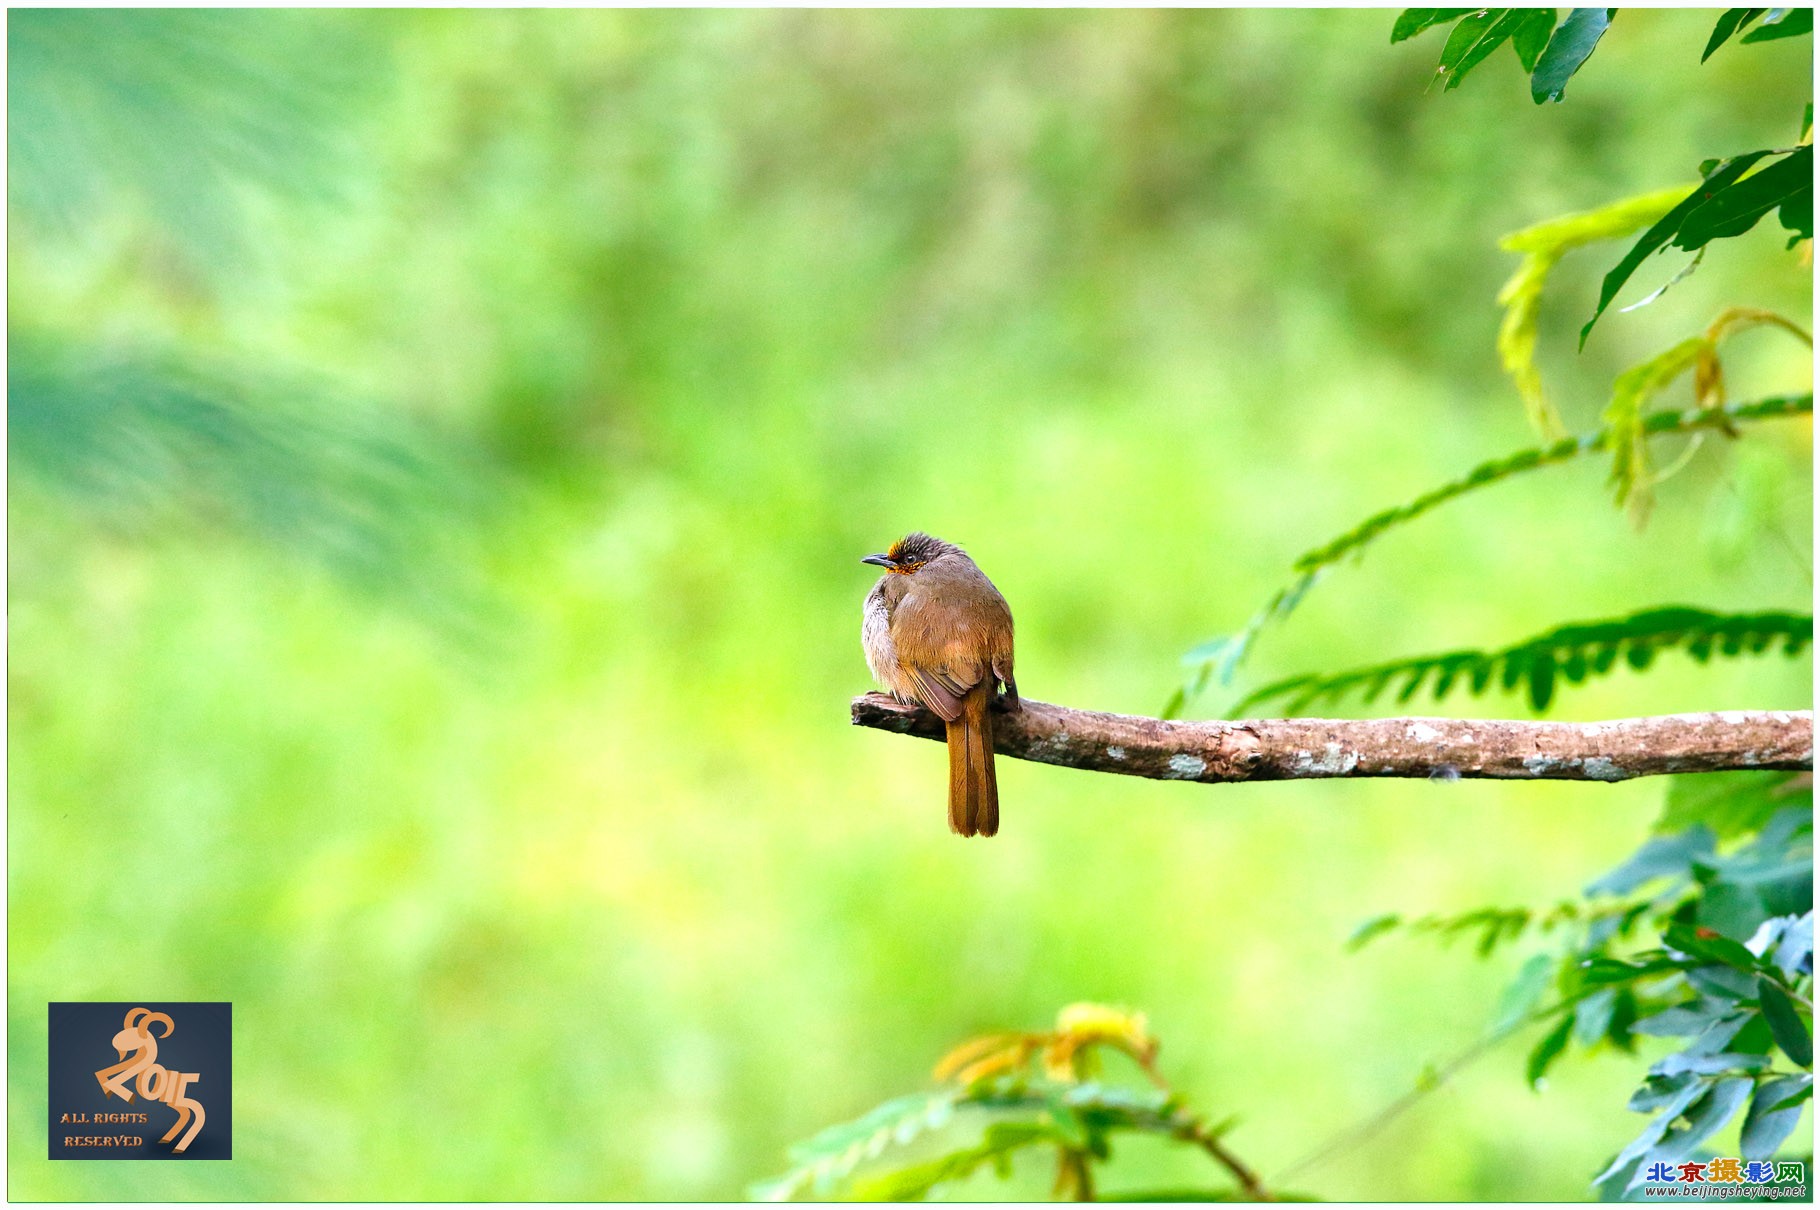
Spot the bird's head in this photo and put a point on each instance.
(910, 554)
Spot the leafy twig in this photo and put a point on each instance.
(1221, 657)
(1569, 653)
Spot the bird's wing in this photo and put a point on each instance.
(933, 690)
(938, 649)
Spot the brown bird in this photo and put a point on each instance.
(937, 633)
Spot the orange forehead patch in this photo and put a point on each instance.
(897, 553)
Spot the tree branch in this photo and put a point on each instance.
(1443, 748)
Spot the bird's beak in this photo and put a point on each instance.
(879, 560)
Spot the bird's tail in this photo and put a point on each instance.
(972, 781)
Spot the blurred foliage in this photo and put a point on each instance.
(1542, 247)
(1726, 204)
(626, 333)
(1721, 950)
(1221, 657)
(187, 119)
(136, 441)
(1746, 995)
(1036, 1090)
(1681, 941)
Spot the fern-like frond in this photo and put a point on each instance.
(1079, 1107)
(1046, 1104)
(1572, 653)
(918, 1181)
(1072, 1114)
(1220, 658)
(1495, 926)
(819, 1165)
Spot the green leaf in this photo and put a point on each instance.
(1722, 981)
(1682, 274)
(1707, 1115)
(1541, 680)
(1731, 908)
(1730, 22)
(1713, 1105)
(1791, 23)
(1567, 52)
(1792, 1033)
(1754, 1037)
(1797, 213)
(1661, 857)
(1531, 36)
(1665, 228)
(1212, 649)
(1371, 929)
(1473, 40)
(1785, 887)
(1413, 21)
(1548, 1050)
(1683, 1020)
(1595, 971)
(1592, 1015)
(1736, 208)
(1708, 1065)
(1677, 1102)
(1524, 992)
(1658, 1091)
(1623, 1017)
(1801, 1095)
(1731, 804)
(1772, 1116)
(1731, 953)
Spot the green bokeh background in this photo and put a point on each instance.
(449, 665)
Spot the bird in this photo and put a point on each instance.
(937, 633)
